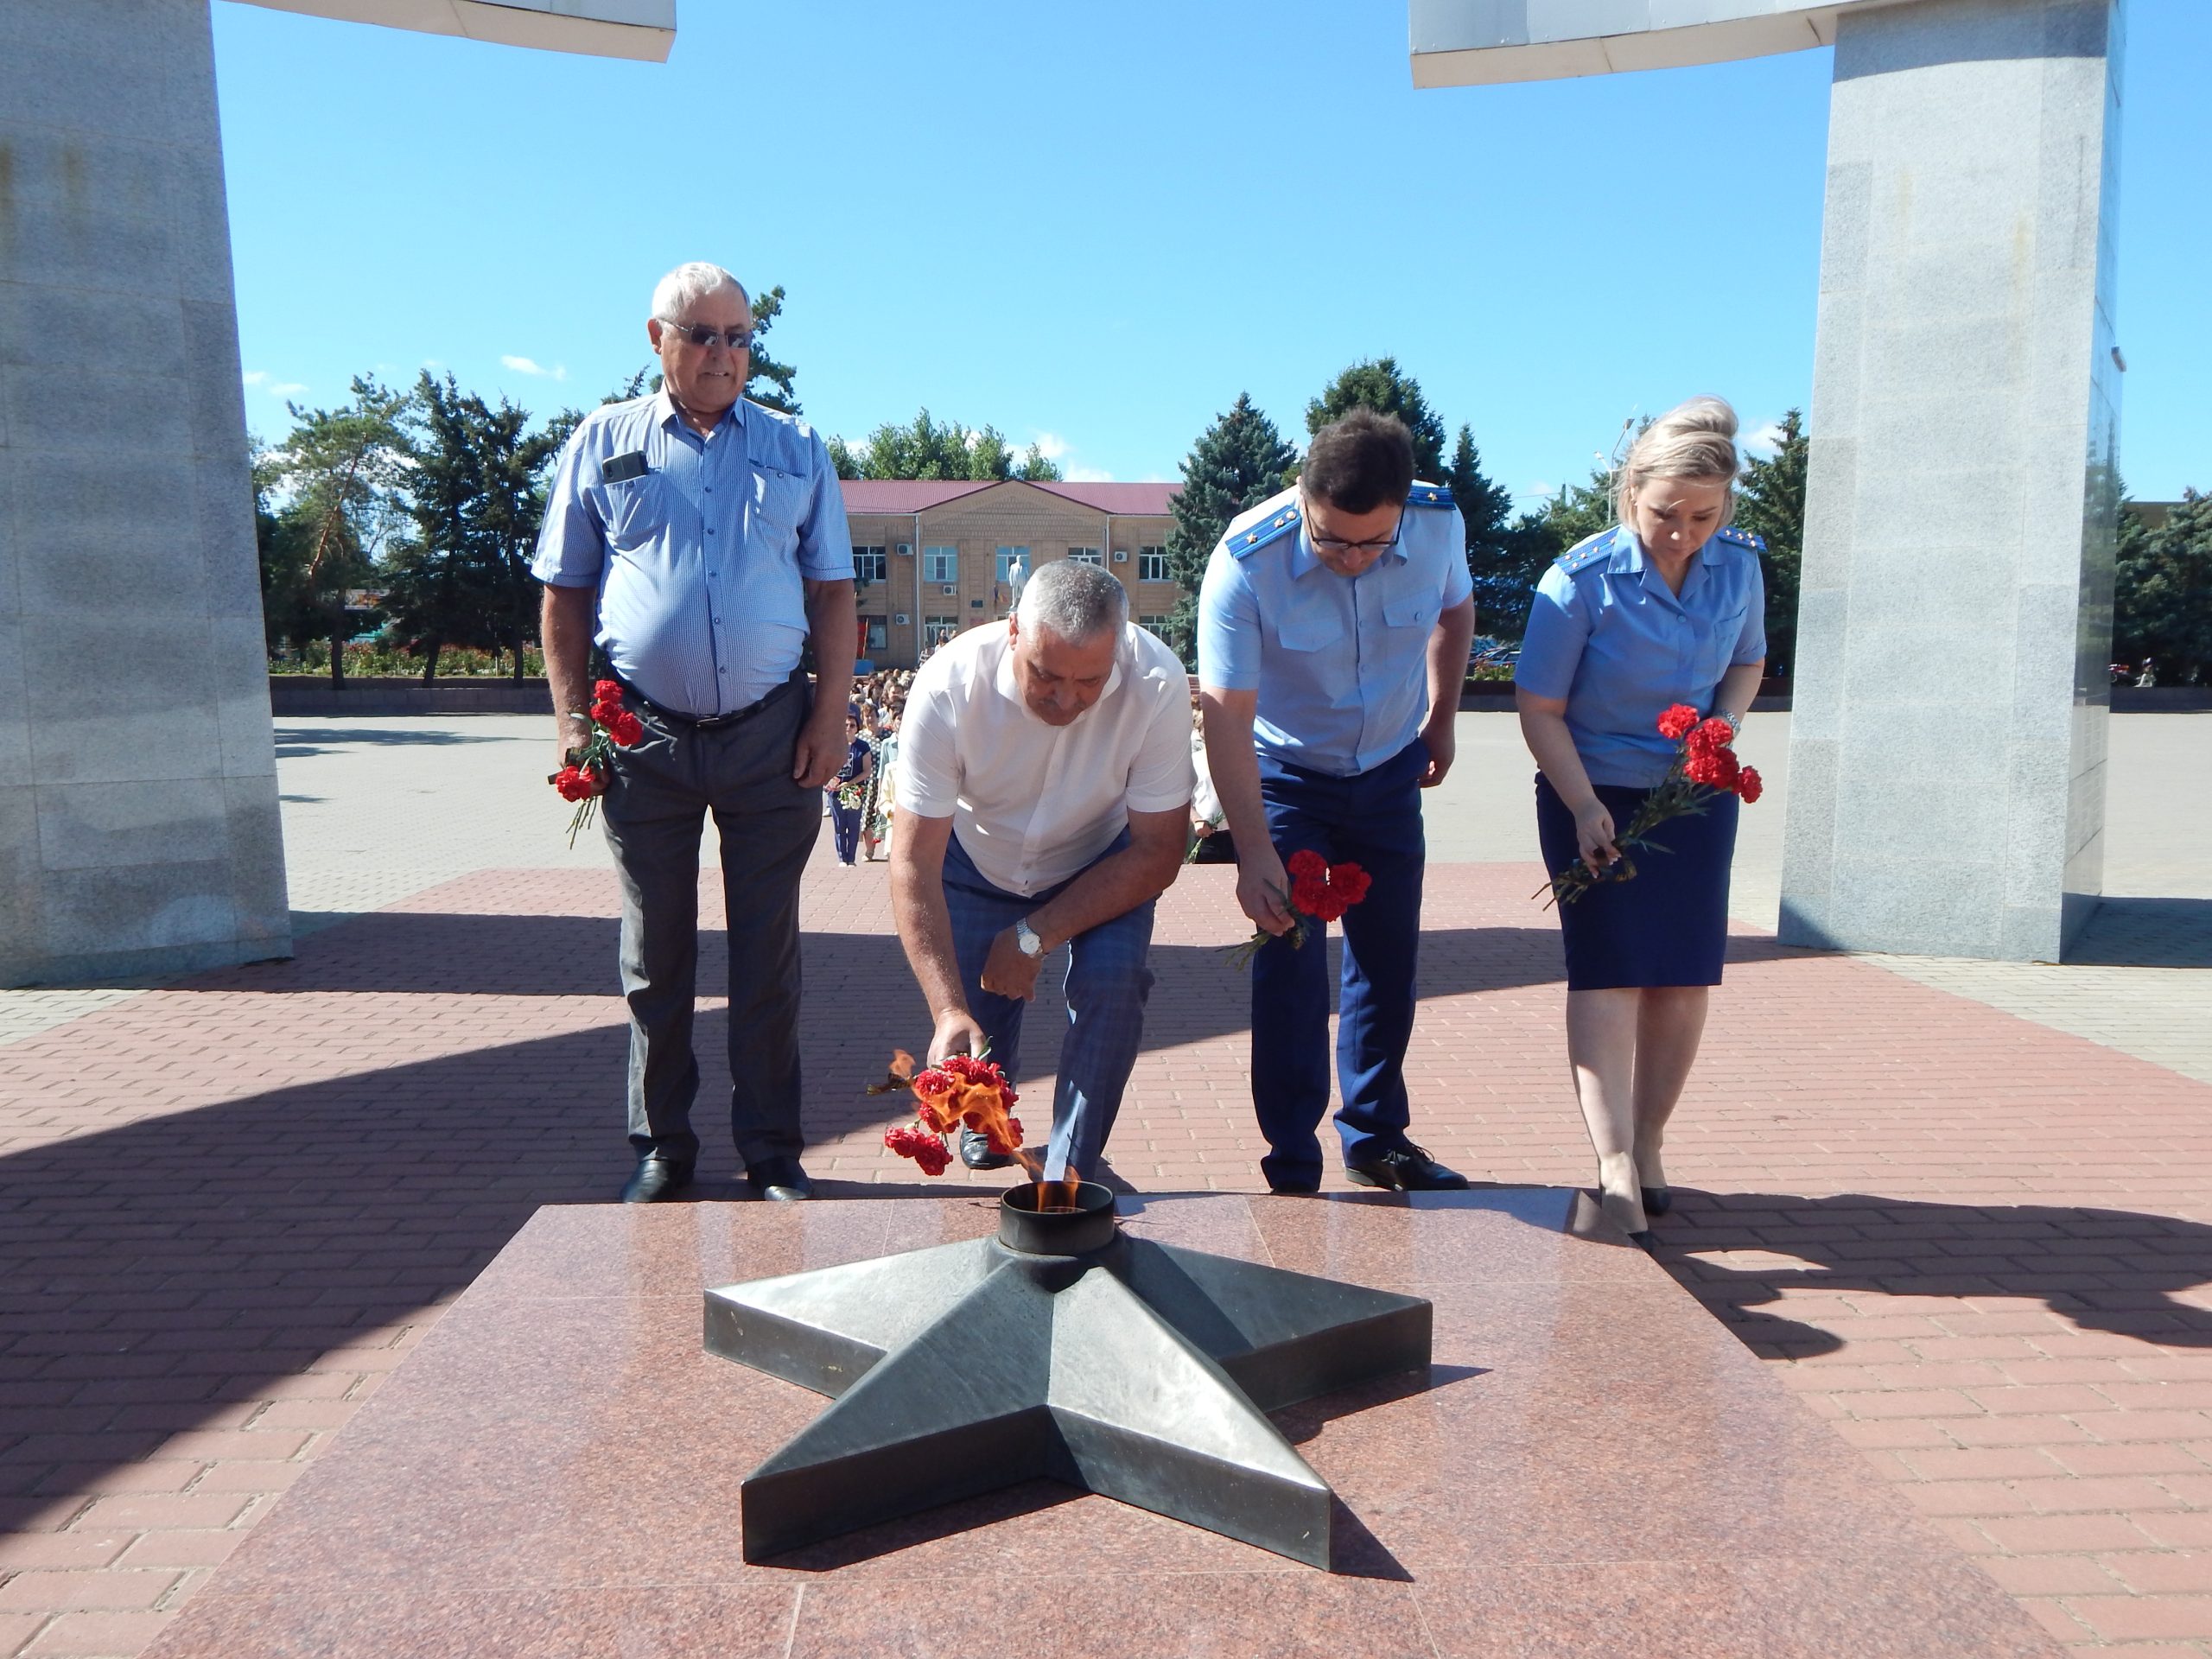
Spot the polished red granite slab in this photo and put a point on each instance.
(1593, 1466)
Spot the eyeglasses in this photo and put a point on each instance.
(1330, 545)
(738, 340)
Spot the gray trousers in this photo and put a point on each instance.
(662, 788)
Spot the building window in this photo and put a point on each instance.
(869, 564)
(1152, 564)
(879, 634)
(940, 564)
(1004, 572)
(1154, 624)
(936, 630)
(1085, 555)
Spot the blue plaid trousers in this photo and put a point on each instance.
(1107, 985)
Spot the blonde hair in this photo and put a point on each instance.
(1693, 439)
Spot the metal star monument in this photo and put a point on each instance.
(1059, 1348)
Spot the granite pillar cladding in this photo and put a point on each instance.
(134, 702)
(1948, 746)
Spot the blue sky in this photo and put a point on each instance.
(1093, 226)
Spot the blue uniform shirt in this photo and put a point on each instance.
(1340, 665)
(701, 562)
(1606, 634)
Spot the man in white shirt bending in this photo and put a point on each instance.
(1044, 797)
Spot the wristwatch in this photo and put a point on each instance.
(1031, 943)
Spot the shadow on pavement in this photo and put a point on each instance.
(2145, 933)
(296, 742)
(2118, 1271)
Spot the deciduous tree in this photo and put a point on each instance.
(1379, 384)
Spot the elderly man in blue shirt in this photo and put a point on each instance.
(1333, 629)
(700, 542)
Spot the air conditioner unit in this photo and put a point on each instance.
(902, 619)
(1120, 556)
(906, 549)
(950, 588)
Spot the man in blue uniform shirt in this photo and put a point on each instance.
(1333, 628)
(700, 541)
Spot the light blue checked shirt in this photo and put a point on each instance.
(702, 562)
(1340, 665)
(1607, 635)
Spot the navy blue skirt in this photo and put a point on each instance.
(1668, 925)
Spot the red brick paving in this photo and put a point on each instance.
(1981, 1248)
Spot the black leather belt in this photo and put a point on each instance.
(717, 723)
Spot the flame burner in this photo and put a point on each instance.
(1061, 1348)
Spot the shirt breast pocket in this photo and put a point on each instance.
(779, 505)
(1310, 631)
(1719, 645)
(637, 511)
(1415, 613)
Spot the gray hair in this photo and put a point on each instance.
(1693, 439)
(1075, 600)
(687, 285)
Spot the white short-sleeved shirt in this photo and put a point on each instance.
(1034, 803)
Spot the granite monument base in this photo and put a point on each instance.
(1593, 1464)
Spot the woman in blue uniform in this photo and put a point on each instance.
(1665, 607)
(847, 791)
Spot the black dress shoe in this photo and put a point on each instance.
(655, 1178)
(1293, 1189)
(1404, 1169)
(779, 1179)
(1657, 1200)
(975, 1151)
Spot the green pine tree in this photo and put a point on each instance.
(1237, 461)
(1497, 553)
(1770, 504)
(2162, 591)
(1378, 383)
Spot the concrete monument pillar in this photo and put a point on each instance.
(1947, 752)
(139, 830)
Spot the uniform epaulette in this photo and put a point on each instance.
(1258, 535)
(1744, 539)
(1430, 495)
(1588, 551)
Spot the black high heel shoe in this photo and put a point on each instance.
(1657, 1200)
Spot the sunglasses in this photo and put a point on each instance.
(738, 340)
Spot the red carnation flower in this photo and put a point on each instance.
(1715, 768)
(1308, 893)
(1713, 733)
(1351, 881)
(1305, 862)
(1676, 722)
(1748, 785)
(575, 784)
(606, 691)
(623, 727)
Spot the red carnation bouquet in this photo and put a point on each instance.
(1320, 891)
(960, 1091)
(1705, 768)
(612, 726)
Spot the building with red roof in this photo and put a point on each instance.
(933, 558)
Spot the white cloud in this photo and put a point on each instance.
(1764, 441)
(1052, 446)
(258, 378)
(525, 365)
(1086, 474)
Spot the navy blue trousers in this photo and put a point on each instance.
(1372, 820)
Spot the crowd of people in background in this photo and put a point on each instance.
(862, 795)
